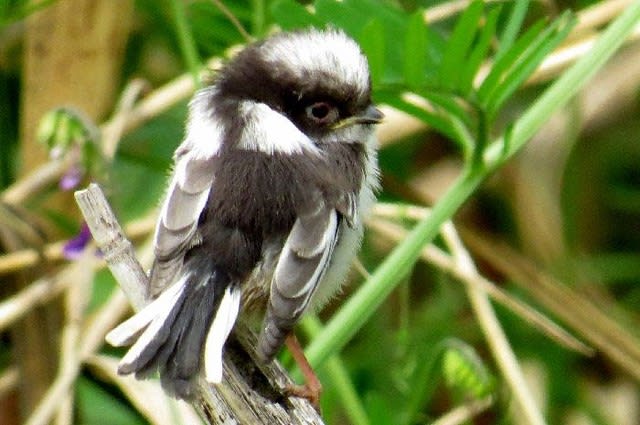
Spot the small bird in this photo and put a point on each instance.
(264, 210)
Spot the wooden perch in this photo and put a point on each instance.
(250, 393)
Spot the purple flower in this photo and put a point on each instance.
(71, 179)
(74, 247)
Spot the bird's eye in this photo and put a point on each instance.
(322, 112)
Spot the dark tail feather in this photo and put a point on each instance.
(189, 331)
(173, 341)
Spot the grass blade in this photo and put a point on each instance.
(514, 23)
(565, 87)
(372, 43)
(415, 58)
(459, 44)
(434, 119)
(186, 40)
(479, 52)
(500, 67)
(529, 61)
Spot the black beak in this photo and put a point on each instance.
(372, 115)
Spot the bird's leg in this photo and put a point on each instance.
(312, 387)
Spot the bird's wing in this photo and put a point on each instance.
(187, 194)
(301, 265)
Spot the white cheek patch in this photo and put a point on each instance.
(204, 131)
(269, 131)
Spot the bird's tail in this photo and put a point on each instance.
(190, 321)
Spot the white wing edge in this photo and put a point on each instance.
(328, 241)
(126, 332)
(154, 327)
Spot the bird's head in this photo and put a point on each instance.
(318, 80)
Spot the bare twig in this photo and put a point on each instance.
(117, 250)
(594, 324)
(8, 380)
(466, 412)
(445, 262)
(250, 392)
(92, 340)
(18, 260)
(232, 18)
(76, 301)
(496, 338)
(112, 133)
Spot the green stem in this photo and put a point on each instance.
(258, 17)
(339, 378)
(363, 304)
(185, 40)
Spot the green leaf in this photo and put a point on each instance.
(290, 14)
(479, 52)
(373, 45)
(529, 61)
(415, 48)
(458, 117)
(464, 371)
(459, 44)
(450, 104)
(508, 59)
(571, 81)
(434, 119)
(514, 23)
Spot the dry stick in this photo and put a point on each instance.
(586, 318)
(45, 289)
(37, 293)
(234, 21)
(8, 380)
(437, 257)
(115, 307)
(496, 338)
(18, 260)
(250, 392)
(466, 412)
(76, 301)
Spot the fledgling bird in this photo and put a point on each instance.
(264, 209)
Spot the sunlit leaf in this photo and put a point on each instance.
(529, 61)
(415, 58)
(479, 52)
(514, 23)
(465, 372)
(508, 59)
(291, 15)
(459, 45)
(434, 119)
(373, 45)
